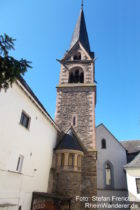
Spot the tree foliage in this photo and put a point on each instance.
(10, 68)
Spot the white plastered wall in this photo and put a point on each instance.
(132, 174)
(35, 144)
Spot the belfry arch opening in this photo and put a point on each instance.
(77, 56)
(76, 76)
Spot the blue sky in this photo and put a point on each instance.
(43, 30)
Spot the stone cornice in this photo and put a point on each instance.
(77, 61)
(75, 85)
(69, 151)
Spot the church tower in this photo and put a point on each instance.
(74, 164)
(76, 92)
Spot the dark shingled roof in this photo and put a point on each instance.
(69, 141)
(80, 33)
(134, 163)
(131, 146)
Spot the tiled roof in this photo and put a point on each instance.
(131, 146)
(134, 163)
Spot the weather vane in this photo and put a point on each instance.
(82, 4)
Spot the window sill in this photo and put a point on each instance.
(15, 172)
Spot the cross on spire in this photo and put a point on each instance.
(82, 4)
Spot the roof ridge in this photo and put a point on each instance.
(128, 140)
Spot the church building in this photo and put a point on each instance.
(48, 164)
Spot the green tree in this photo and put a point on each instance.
(10, 68)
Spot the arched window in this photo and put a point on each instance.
(71, 160)
(62, 160)
(77, 56)
(108, 174)
(103, 144)
(76, 76)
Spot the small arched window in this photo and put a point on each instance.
(71, 160)
(103, 144)
(108, 177)
(77, 56)
(74, 121)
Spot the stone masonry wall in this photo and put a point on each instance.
(89, 177)
(68, 184)
(79, 102)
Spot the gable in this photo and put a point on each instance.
(78, 47)
(102, 132)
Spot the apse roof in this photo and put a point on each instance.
(69, 141)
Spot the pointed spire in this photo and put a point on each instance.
(82, 4)
(80, 32)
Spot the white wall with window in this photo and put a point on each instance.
(133, 178)
(111, 154)
(133, 181)
(111, 158)
(27, 138)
